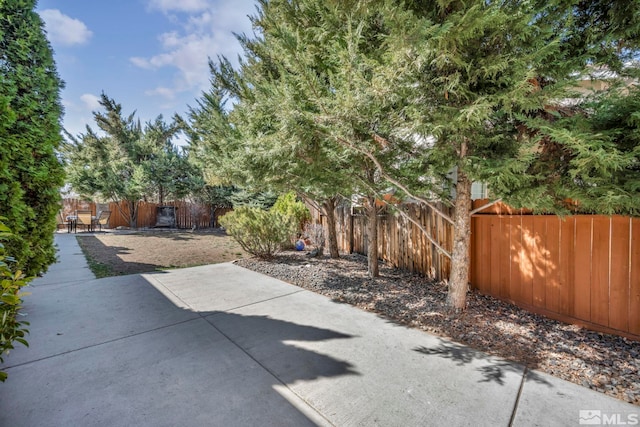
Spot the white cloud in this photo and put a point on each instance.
(141, 62)
(205, 33)
(167, 6)
(91, 101)
(64, 30)
(165, 92)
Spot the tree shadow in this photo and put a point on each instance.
(493, 370)
(278, 345)
(110, 257)
(176, 235)
(218, 362)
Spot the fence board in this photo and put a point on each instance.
(567, 266)
(619, 273)
(505, 267)
(600, 270)
(515, 288)
(552, 264)
(634, 286)
(495, 258)
(539, 255)
(582, 268)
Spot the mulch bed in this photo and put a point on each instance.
(602, 362)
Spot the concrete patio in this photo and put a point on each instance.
(220, 345)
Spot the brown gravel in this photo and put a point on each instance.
(602, 362)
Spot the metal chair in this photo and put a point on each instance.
(84, 218)
(102, 219)
(61, 221)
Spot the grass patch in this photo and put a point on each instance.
(98, 269)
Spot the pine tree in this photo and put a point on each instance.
(30, 134)
(125, 161)
(431, 96)
(424, 89)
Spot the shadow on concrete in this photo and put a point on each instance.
(179, 365)
(463, 355)
(278, 346)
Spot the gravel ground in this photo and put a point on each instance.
(602, 362)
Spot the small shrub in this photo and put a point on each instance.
(11, 329)
(259, 232)
(288, 205)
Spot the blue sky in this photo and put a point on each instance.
(149, 55)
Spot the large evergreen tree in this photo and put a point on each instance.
(431, 96)
(30, 134)
(125, 161)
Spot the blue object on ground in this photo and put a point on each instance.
(299, 245)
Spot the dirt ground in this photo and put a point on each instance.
(120, 253)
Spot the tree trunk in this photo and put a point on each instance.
(459, 280)
(329, 207)
(372, 241)
(133, 214)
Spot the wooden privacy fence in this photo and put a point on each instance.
(70, 206)
(188, 214)
(400, 242)
(581, 269)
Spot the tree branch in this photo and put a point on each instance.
(485, 206)
(392, 180)
(424, 231)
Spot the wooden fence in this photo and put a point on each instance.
(188, 214)
(69, 206)
(400, 242)
(582, 269)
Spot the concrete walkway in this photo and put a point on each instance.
(223, 346)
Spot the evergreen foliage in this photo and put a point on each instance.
(11, 282)
(288, 205)
(30, 134)
(259, 232)
(428, 97)
(255, 199)
(124, 161)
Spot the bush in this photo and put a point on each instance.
(30, 113)
(259, 232)
(288, 205)
(11, 329)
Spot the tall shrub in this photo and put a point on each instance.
(259, 232)
(289, 206)
(11, 329)
(30, 113)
